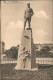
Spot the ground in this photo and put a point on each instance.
(9, 73)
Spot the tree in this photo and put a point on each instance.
(12, 52)
(44, 52)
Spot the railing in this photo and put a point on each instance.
(9, 61)
(44, 61)
(38, 61)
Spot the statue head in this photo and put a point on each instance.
(28, 5)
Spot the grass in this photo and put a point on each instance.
(9, 73)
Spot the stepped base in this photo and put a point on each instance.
(34, 69)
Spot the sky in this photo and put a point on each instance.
(12, 21)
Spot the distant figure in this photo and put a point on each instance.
(27, 16)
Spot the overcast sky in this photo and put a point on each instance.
(12, 21)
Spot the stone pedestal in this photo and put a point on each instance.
(26, 54)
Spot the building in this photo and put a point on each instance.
(2, 47)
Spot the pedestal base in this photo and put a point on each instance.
(26, 55)
(33, 69)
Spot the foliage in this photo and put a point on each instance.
(12, 52)
(44, 52)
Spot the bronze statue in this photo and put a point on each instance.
(27, 16)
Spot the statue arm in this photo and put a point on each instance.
(25, 14)
(32, 13)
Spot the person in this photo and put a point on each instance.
(27, 16)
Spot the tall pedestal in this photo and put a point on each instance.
(26, 54)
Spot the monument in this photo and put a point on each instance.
(26, 55)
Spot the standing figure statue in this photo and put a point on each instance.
(27, 16)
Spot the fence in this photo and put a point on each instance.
(44, 61)
(38, 61)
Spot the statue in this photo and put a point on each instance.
(27, 16)
(25, 55)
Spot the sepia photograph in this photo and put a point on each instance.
(26, 40)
